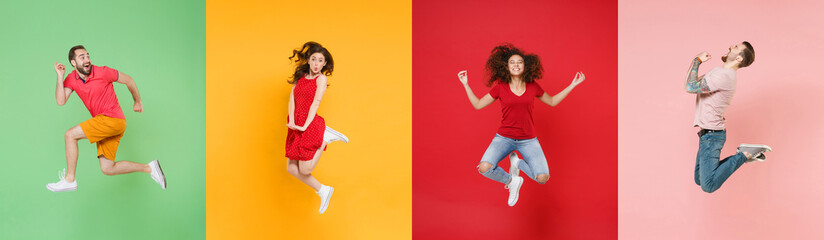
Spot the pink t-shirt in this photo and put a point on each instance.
(710, 107)
(516, 122)
(96, 91)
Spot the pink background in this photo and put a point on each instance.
(777, 103)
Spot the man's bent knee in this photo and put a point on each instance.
(106, 165)
(107, 170)
(709, 186)
(72, 133)
(708, 189)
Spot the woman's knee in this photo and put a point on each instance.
(542, 178)
(306, 170)
(484, 167)
(292, 169)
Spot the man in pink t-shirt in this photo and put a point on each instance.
(714, 91)
(93, 85)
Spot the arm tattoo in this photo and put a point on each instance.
(694, 83)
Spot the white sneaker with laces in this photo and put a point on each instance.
(325, 194)
(157, 173)
(513, 164)
(514, 186)
(62, 185)
(755, 150)
(330, 135)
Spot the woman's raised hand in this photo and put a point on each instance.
(579, 78)
(462, 77)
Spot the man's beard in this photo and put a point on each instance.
(83, 71)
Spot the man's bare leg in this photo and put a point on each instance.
(73, 135)
(110, 167)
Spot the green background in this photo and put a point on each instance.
(161, 44)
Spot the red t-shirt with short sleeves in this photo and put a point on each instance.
(96, 91)
(516, 122)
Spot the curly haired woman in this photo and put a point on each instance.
(513, 74)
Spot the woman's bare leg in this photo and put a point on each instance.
(302, 170)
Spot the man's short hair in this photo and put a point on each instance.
(748, 54)
(71, 51)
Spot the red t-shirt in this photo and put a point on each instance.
(96, 91)
(516, 122)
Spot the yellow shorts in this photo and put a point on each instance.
(106, 132)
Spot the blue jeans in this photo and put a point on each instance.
(534, 162)
(709, 172)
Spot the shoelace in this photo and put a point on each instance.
(62, 174)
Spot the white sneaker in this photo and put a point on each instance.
(157, 173)
(330, 135)
(514, 186)
(755, 150)
(513, 164)
(325, 194)
(62, 185)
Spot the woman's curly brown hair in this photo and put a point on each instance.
(497, 66)
(302, 60)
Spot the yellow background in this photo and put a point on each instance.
(249, 194)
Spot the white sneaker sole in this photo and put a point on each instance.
(61, 190)
(162, 175)
(769, 149)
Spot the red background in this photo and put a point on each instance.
(579, 136)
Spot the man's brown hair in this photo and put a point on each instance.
(748, 54)
(71, 51)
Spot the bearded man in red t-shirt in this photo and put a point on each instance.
(93, 85)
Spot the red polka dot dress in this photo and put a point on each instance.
(303, 145)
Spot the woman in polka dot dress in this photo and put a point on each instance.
(308, 134)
